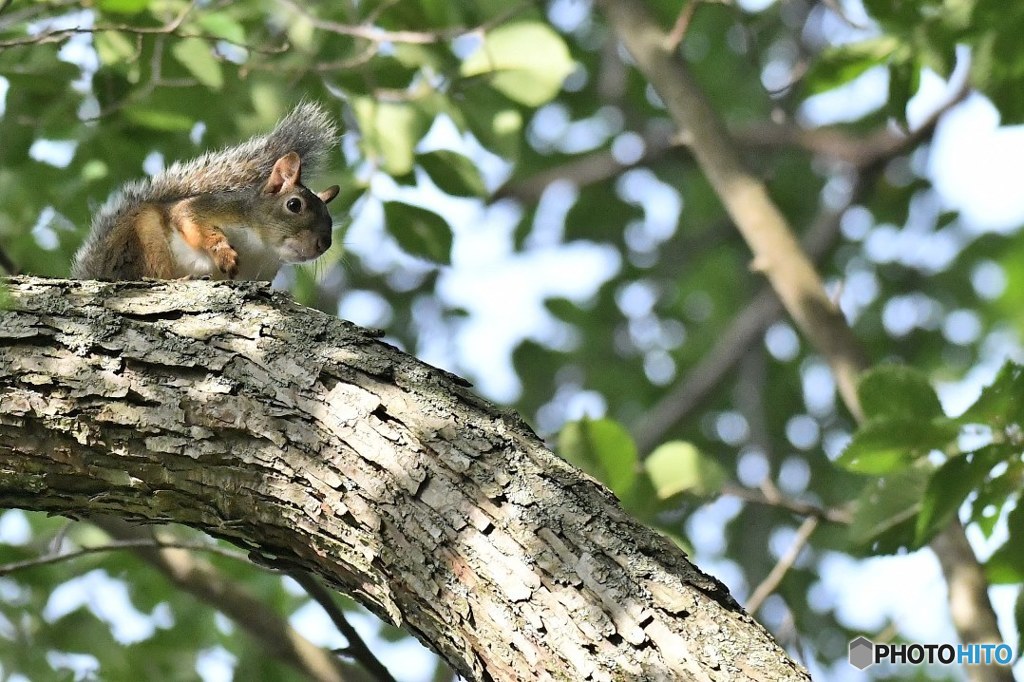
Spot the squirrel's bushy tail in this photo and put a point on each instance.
(308, 130)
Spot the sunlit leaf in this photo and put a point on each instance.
(602, 448)
(679, 467)
(884, 445)
(390, 131)
(528, 61)
(159, 119)
(123, 6)
(222, 25)
(113, 47)
(194, 54)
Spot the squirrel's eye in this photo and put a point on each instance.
(294, 205)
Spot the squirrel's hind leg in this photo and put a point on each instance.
(149, 247)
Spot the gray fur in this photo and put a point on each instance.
(308, 130)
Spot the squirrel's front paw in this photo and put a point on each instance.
(226, 259)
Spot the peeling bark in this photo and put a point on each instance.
(228, 407)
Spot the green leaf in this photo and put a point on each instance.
(492, 118)
(159, 119)
(195, 55)
(901, 16)
(222, 25)
(997, 74)
(602, 448)
(36, 70)
(419, 232)
(883, 445)
(1002, 402)
(643, 503)
(305, 288)
(993, 496)
(839, 65)
(898, 391)
(904, 80)
(112, 86)
(123, 6)
(1018, 618)
(113, 47)
(453, 173)
(884, 518)
(528, 62)
(390, 131)
(679, 467)
(1006, 565)
(951, 484)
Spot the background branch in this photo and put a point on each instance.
(115, 546)
(791, 274)
(206, 583)
(356, 648)
(786, 561)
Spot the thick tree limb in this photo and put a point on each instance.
(791, 274)
(227, 407)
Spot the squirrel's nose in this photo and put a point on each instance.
(323, 242)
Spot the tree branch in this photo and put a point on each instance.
(864, 153)
(776, 252)
(171, 27)
(374, 34)
(683, 19)
(771, 497)
(356, 648)
(115, 546)
(205, 582)
(745, 329)
(229, 408)
(775, 576)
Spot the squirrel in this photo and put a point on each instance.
(235, 213)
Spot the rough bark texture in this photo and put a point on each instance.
(229, 408)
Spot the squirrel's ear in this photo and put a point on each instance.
(328, 194)
(285, 175)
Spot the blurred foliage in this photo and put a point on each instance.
(519, 129)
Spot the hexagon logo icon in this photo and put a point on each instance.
(862, 653)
